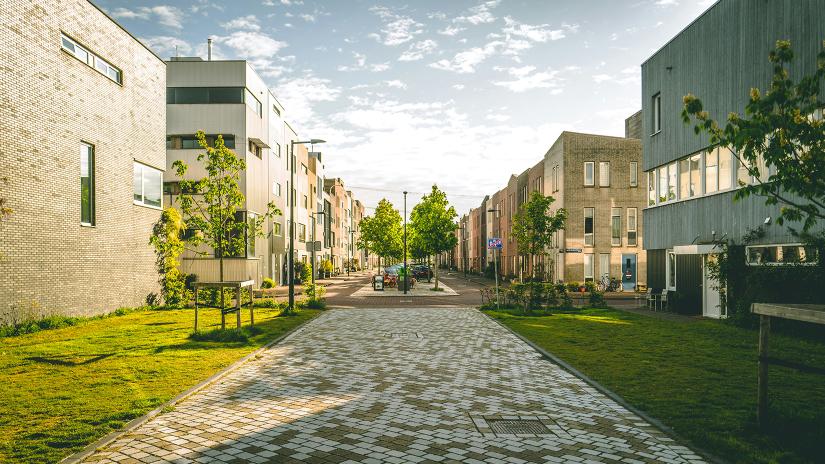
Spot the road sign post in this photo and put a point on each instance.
(495, 244)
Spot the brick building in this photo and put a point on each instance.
(82, 159)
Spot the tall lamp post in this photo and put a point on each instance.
(405, 243)
(495, 261)
(351, 245)
(314, 226)
(463, 229)
(292, 193)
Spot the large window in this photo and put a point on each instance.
(632, 214)
(604, 174)
(302, 232)
(689, 177)
(634, 173)
(204, 95)
(589, 175)
(589, 214)
(276, 189)
(253, 102)
(604, 265)
(148, 186)
(670, 270)
(657, 113)
(190, 141)
(667, 183)
(83, 54)
(588, 267)
(616, 226)
(251, 234)
(87, 184)
(725, 167)
(711, 171)
(777, 255)
(555, 178)
(651, 188)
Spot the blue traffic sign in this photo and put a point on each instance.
(494, 243)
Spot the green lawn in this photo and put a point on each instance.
(62, 389)
(697, 377)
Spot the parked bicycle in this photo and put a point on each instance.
(609, 284)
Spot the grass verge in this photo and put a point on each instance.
(64, 388)
(697, 377)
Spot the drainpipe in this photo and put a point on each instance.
(209, 49)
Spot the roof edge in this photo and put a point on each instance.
(126, 31)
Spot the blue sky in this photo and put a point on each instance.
(460, 93)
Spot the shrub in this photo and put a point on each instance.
(268, 283)
(597, 299)
(573, 286)
(226, 336)
(166, 239)
(590, 286)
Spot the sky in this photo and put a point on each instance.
(458, 93)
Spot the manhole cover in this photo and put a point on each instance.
(518, 426)
(405, 335)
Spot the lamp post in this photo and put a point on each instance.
(495, 261)
(351, 246)
(463, 229)
(314, 226)
(405, 243)
(292, 193)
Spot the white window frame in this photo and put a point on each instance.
(634, 173)
(779, 247)
(668, 269)
(142, 202)
(615, 240)
(592, 235)
(592, 166)
(604, 173)
(602, 268)
(635, 227)
(657, 113)
(592, 266)
(91, 59)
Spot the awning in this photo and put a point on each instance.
(258, 142)
(703, 249)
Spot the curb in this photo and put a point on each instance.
(613, 396)
(138, 421)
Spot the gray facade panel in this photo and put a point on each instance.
(719, 58)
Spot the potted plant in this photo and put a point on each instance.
(404, 283)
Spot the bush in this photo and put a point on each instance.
(590, 286)
(268, 303)
(226, 336)
(597, 299)
(573, 286)
(268, 283)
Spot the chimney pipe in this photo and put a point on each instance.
(209, 49)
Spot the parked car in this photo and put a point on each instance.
(422, 271)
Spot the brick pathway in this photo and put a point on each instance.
(398, 385)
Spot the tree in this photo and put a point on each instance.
(209, 205)
(780, 140)
(166, 238)
(533, 225)
(432, 222)
(382, 232)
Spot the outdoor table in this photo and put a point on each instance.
(238, 286)
(797, 312)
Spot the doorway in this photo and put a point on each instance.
(711, 303)
(628, 272)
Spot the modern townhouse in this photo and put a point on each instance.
(228, 98)
(81, 162)
(691, 184)
(338, 224)
(357, 215)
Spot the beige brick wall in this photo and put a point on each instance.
(49, 103)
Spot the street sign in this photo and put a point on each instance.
(572, 250)
(494, 243)
(317, 246)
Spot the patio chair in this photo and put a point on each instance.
(663, 300)
(650, 299)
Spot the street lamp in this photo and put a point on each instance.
(495, 261)
(406, 271)
(292, 201)
(314, 226)
(351, 247)
(464, 261)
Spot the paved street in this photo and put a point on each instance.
(398, 385)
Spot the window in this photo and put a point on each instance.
(631, 226)
(253, 103)
(662, 184)
(276, 150)
(588, 267)
(634, 174)
(777, 255)
(276, 189)
(87, 184)
(616, 226)
(588, 226)
(670, 270)
(251, 234)
(589, 166)
(604, 265)
(255, 149)
(83, 54)
(190, 141)
(604, 174)
(743, 176)
(651, 188)
(657, 113)
(689, 177)
(276, 229)
(725, 168)
(148, 186)
(555, 178)
(305, 203)
(276, 110)
(667, 183)
(204, 95)
(303, 168)
(302, 232)
(711, 171)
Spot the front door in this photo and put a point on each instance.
(629, 272)
(711, 304)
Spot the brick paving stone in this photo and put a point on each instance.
(342, 390)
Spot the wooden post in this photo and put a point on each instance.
(762, 380)
(223, 312)
(238, 306)
(196, 308)
(251, 306)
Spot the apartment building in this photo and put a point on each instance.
(81, 161)
(339, 222)
(690, 184)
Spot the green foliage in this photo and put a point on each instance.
(326, 265)
(267, 283)
(597, 299)
(534, 225)
(166, 238)
(573, 286)
(432, 222)
(530, 296)
(382, 233)
(209, 205)
(226, 335)
(778, 133)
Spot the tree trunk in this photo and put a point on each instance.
(436, 274)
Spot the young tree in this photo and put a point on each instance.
(780, 140)
(209, 205)
(533, 225)
(166, 238)
(432, 222)
(382, 232)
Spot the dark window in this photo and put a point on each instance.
(204, 95)
(87, 184)
(657, 113)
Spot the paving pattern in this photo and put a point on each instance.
(401, 385)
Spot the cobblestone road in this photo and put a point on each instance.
(400, 385)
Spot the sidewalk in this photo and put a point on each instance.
(283, 290)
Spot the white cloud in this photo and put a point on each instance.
(308, 17)
(397, 29)
(396, 84)
(666, 3)
(465, 62)
(451, 30)
(361, 64)
(479, 14)
(599, 78)
(164, 45)
(252, 44)
(631, 75)
(163, 14)
(498, 117)
(525, 79)
(249, 23)
(540, 33)
(299, 95)
(418, 50)
(458, 86)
